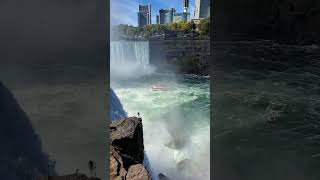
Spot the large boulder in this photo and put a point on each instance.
(117, 170)
(138, 172)
(127, 150)
(127, 136)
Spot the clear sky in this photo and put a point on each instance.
(125, 11)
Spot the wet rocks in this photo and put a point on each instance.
(138, 172)
(127, 150)
(117, 170)
(186, 56)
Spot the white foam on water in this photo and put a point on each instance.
(164, 119)
(176, 115)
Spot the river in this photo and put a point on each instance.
(266, 111)
(176, 121)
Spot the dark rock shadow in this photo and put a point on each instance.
(21, 153)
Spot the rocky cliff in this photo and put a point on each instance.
(127, 150)
(187, 55)
(287, 21)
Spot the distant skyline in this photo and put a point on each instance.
(125, 11)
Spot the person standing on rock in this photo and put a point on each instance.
(138, 114)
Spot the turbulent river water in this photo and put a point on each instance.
(266, 111)
(176, 122)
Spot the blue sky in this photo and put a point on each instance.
(125, 11)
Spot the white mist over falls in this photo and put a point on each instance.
(176, 122)
(129, 59)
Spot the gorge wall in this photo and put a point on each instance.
(288, 21)
(187, 55)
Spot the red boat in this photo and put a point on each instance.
(158, 87)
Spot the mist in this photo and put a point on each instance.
(175, 122)
(176, 125)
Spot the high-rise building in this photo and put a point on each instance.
(185, 5)
(178, 17)
(144, 15)
(181, 17)
(202, 9)
(166, 15)
(158, 19)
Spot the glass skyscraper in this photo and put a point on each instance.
(166, 15)
(202, 9)
(144, 15)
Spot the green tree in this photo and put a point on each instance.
(204, 26)
(186, 26)
(173, 26)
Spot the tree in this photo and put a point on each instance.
(173, 26)
(159, 28)
(204, 26)
(186, 26)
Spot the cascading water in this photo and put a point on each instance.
(175, 122)
(116, 113)
(129, 57)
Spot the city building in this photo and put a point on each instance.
(181, 17)
(202, 9)
(185, 5)
(158, 19)
(144, 15)
(177, 17)
(166, 15)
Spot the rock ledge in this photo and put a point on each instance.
(127, 150)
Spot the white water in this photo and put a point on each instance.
(129, 59)
(179, 115)
(182, 115)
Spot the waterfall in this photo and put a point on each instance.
(128, 58)
(129, 52)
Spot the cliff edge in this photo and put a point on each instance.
(127, 150)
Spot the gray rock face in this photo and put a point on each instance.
(187, 55)
(127, 150)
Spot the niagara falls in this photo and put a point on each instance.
(176, 121)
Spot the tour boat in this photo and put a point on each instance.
(158, 87)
